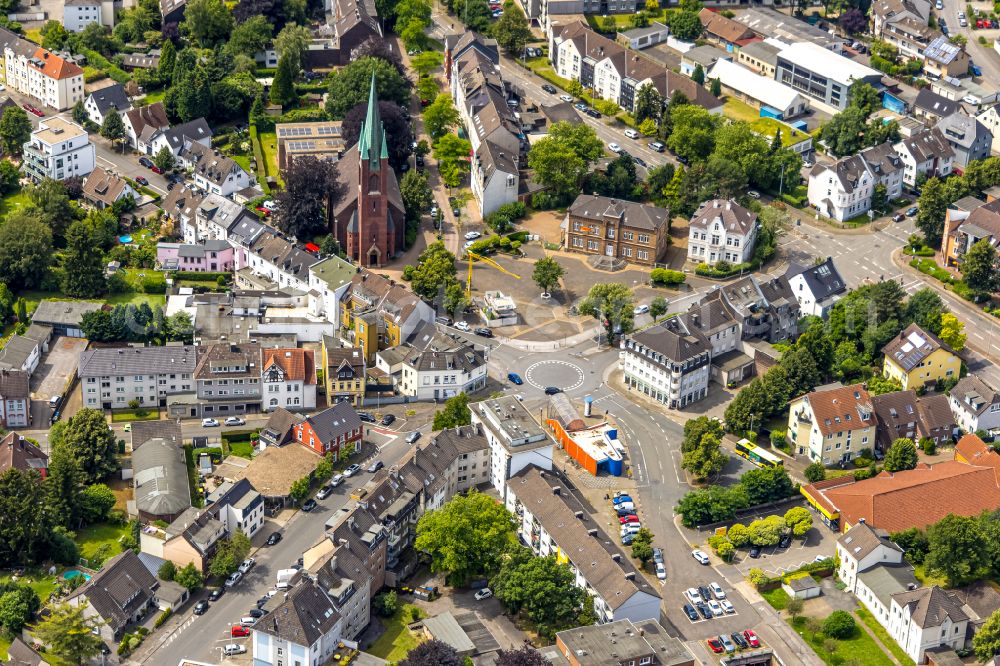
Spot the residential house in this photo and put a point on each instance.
(58, 149)
(472, 450)
(438, 375)
(552, 521)
(41, 75)
(190, 539)
(112, 99)
(990, 118)
(727, 33)
(816, 288)
(281, 261)
(329, 279)
(969, 139)
(927, 618)
(147, 61)
(843, 190)
(216, 217)
(903, 23)
(278, 429)
(305, 628)
(832, 424)
(213, 172)
(15, 399)
(458, 44)
(209, 256)
(917, 359)
(178, 138)
(160, 477)
(227, 380)
(119, 595)
(495, 177)
(16, 452)
(102, 189)
(515, 438)
(975, 405)
(943, 58)
(172, 11)
(968, 221)
(775, 26)
(669, 362)
(721, 230)
(758, 91)
(932, 107)
(926, 154)
(861, 548)
(344, 372)
(822, 75)
(21, 654)
(378, 314)
(237, 506)
(322, 139)
(63, 317)
(623, 230)
(705, 55)
(355, 22)
(24, 352)
(335, 429)
(912, 498)
(762, 308)
(78, 14)
(760, 57)
(181, 205)
(144, 124)
(111, 377)
(901, 414)
(621, 642)
(886, 167)
(288, 378)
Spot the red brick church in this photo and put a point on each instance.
(370, 220)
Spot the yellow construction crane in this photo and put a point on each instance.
(473, 258)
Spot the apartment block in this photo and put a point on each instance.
(111, 377)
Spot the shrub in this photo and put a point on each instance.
(167, 570)
(197, 276)
(757, 577)
(840, 624)
(928, 446)
(386, 604)
(164, 616)
(665, 276)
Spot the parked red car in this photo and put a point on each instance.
(238, 631)
(37, 112)
(155, 169)
(715, 645)
(141, 180)
(751, 638)
(632, 518)
(263, 211)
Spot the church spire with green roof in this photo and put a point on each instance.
(372, 144)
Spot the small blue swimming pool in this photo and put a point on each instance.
(124, 239)
(70, 574)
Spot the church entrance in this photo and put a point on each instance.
(373, 258)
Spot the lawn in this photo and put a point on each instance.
(100, 542)
(768, 127)
(128, 415)
(269, 146)
(13, 202)
(396, 640)
(734, 109)
(883, 636)
(777, 597)
(860, 648)
(920, 572)
(136, 299)
(155, 96)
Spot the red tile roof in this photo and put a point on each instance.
(55, 67)
(974, 451)
(842, 409)
(296, 364)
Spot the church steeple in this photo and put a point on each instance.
(372, 143)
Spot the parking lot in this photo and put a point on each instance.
(819, 542)
(56, 367)
(726, 615)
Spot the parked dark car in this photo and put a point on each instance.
(216, 594)
(741, 642)
(274, 538)
(388, 419)
(552, 390)
(593, 113)
(549, 88)
(705, 593)
(255, 613)
(483, 332)
(703, 609)
(366, 417)
(786, 541)
(146, 162)
(309, 505)
(755, 552)
(691, 612)
(200, 607)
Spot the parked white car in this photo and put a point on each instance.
(235, 421)
(234, 578)
(717, 590)
(614, 147)
(693, 595)
(472, 235)
(631, 133)
(700, 556)
(209, 423)
(661, 571)
(727, 606)
(484, 593)
(715, 607)
(247, 564)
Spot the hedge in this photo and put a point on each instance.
(197, 276)
(96, 60)
(665, 276)
(163, 617)
(704, 270)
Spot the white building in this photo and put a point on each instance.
(515, 438)
(842, 190)
(758, 90)
(15, 399)
(107, 100)
(816, 288)
(78, 14)
(552, 522)
(40, 74)
(213, 172)
(722, 231)
(832, 424)
(494, 177)
(822, 75)
(303, 630)
(58, 149)
(439, 375)
(671, 363)
(861, 548)
(329, 280)
(926, 153)
(289, 379)
(975, 405)
(111, 377)
(990, 117)
(237, 506)
(280, 261)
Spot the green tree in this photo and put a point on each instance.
(249, 37)
(432, 653)
(547, 273)
(190, 577)
(207, 22)
(69, 633)
(440, 116)
(581, 138)
(455, 413)
(935, 197)
(91, 442)
(167, 570)
(113, 128)
(695, 429)
(738, 534)
(648, 127)
(164, 159)
(435, 268)
(693, 134)
(283, 87)
(685, 24)
(612, 304)
(54, 36)
(512, 31)
(63, 482)
(455, 299)
(711, 505)
(642, 545)
(349, 86)
(229, 554)
(815, 472)
(767, 485)
(83, 275)
(168, 57)
(18, 604)
(979, 269)
(986, 641)
(15, 130)
(96, 502)
(952, 331)
(294, 39)
(840, 625)
(427, 62)
(299, 489)
(466, 537)
(416, 193)
(924, 308)
(799, 520)
(25, 250)
(902, 455)
(766, 532)
(658, 307)
(25, 527)
(957, 549)
(541, 589)
(844, 134)
(648, 104)
(707, 459)
(556, 166)
(715, 87)
(698, 75)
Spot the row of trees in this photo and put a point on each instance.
(134, 323)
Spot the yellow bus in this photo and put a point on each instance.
(757, 455)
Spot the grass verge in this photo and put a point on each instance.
(396, 640)
(127, 415)
(777, 597)
(859, 648)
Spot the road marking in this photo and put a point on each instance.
(581, 377)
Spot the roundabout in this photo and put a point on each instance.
(563, 374)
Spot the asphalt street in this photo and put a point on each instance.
(984, 56)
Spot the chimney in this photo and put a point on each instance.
(556, 490)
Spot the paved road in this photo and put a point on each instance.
(984, 56)
(201, 638)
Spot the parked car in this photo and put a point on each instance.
(367, 417)
(715, 645)
(256, 613)
(580, 106)
(483, 332)
(144, 161)
(273, 538)
(514, 378)
(691, 612)
(703, 609)
(619, 499)
(472, 235)
(216, 594)
(751, 638)
(388, 419)
(209, 423)
(755, 552)
(717, 591)
(141, 180)
(549, 88)
(741, 642)
(247, 564)
(324, 492)
(705, 593)
(239, 632)
(661, 571)
(593, 113)
(727, 644)
(631, 133)
(700, 556)
(638, 160)
(552, 390)
(630, 518)
(463, 326)
(413, 437)
(753, 194)
(337, 480)
(658, 555)
(200, 608)
(628, 538)
(727, 606)
(898, 217)
(352, 470)
(235, 421)
(234, 648)
(309, 505)
(375, 466)
(614, 147)
(786, 541)
(640, 309)
(444, 321)
(234, 578)
(566, 98)
(657, 146)
(156, 169)
(693, 595)
(484, 593)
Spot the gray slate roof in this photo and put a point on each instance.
(862, 539)
(823, 280)
(112, 97)
(929, 606)
(137, 360)
(119, 589)
(635, 215)
(338, 420)
(303, 618)
(735, 218)
(63, 312)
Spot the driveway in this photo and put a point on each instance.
(57, 367)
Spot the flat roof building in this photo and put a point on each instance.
(515, 438)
